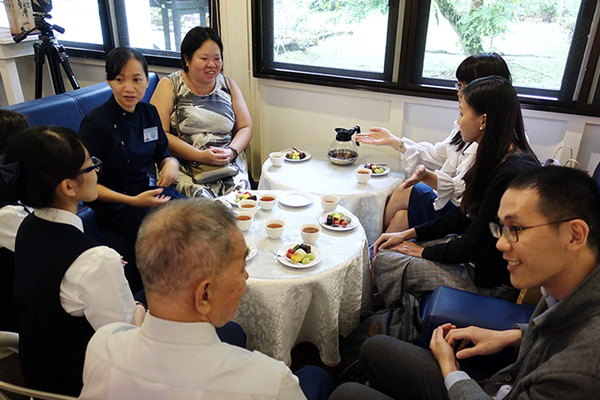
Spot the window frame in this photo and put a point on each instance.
(116, 34)
(569, 99)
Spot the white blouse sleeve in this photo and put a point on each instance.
(95, 286)
(450, 182)
(10, 220)
(432, 156)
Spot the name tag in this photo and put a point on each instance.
(150, 134)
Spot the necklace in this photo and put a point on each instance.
(193, 87)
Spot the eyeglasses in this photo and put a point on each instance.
(458, 85)
(511, 233)
(96, 165)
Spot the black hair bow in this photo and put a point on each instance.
(9, 173)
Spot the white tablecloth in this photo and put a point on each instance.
(284, 306)
(319, 176)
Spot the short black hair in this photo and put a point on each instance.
(565, 193)
(117, 58)
(194, 39)
(46, 155)
(481, 65)
(11, 123)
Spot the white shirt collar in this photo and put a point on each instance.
(162, 330)
(59, 216)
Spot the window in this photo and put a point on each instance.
(81, 20)
(330, 37)
(156, 27)
(414, 46)
(535, 37)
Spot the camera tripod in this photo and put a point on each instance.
(48, 47)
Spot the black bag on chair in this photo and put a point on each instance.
(402, 321)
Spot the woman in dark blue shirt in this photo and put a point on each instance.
(129, 139)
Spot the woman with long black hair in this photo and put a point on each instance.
(435, 185)
(490, 115)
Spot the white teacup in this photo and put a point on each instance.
(267, 201)
(310, 233)
(244, 220)
(277, 158)
(329, 202)
(274, 228)
(250, 206)
(363, 174)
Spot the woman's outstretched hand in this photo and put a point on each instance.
(417, 176)
(380, 137)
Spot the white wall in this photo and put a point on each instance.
(290, 114)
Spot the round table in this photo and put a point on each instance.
(319, 176)
(285, 306)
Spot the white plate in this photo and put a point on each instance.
(296, 199)
(308, 156)
(386, 169)
(230, 197)
(283, 259)
(353, 222)
(224, 202)
(252, 253)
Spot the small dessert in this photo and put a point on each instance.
(338, 220)
(300, 254)
(295, 155)
(377, 169)
(239, 196)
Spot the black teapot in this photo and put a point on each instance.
(343, 150)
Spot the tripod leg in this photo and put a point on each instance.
(63, 58)
(38, 52)
(57, 80)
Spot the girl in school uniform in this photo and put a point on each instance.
(66, 284)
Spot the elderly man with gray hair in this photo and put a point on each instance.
(191, 256)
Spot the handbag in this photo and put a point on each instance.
(571, 162)
(204, 173)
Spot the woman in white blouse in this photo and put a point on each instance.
(435, 185)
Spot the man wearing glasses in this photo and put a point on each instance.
(548, 232)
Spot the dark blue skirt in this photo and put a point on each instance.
(420, 205)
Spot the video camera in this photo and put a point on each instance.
(41, 6)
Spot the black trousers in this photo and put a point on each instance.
(396, 370)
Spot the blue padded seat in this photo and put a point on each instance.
(57, 110)
(464, 309)
(68, 109)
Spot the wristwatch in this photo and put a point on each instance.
(235, 152)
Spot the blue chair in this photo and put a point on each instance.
(464, 309)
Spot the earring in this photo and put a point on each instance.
(481, 128)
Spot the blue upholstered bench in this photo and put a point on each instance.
(68, 109)
(464, 309)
